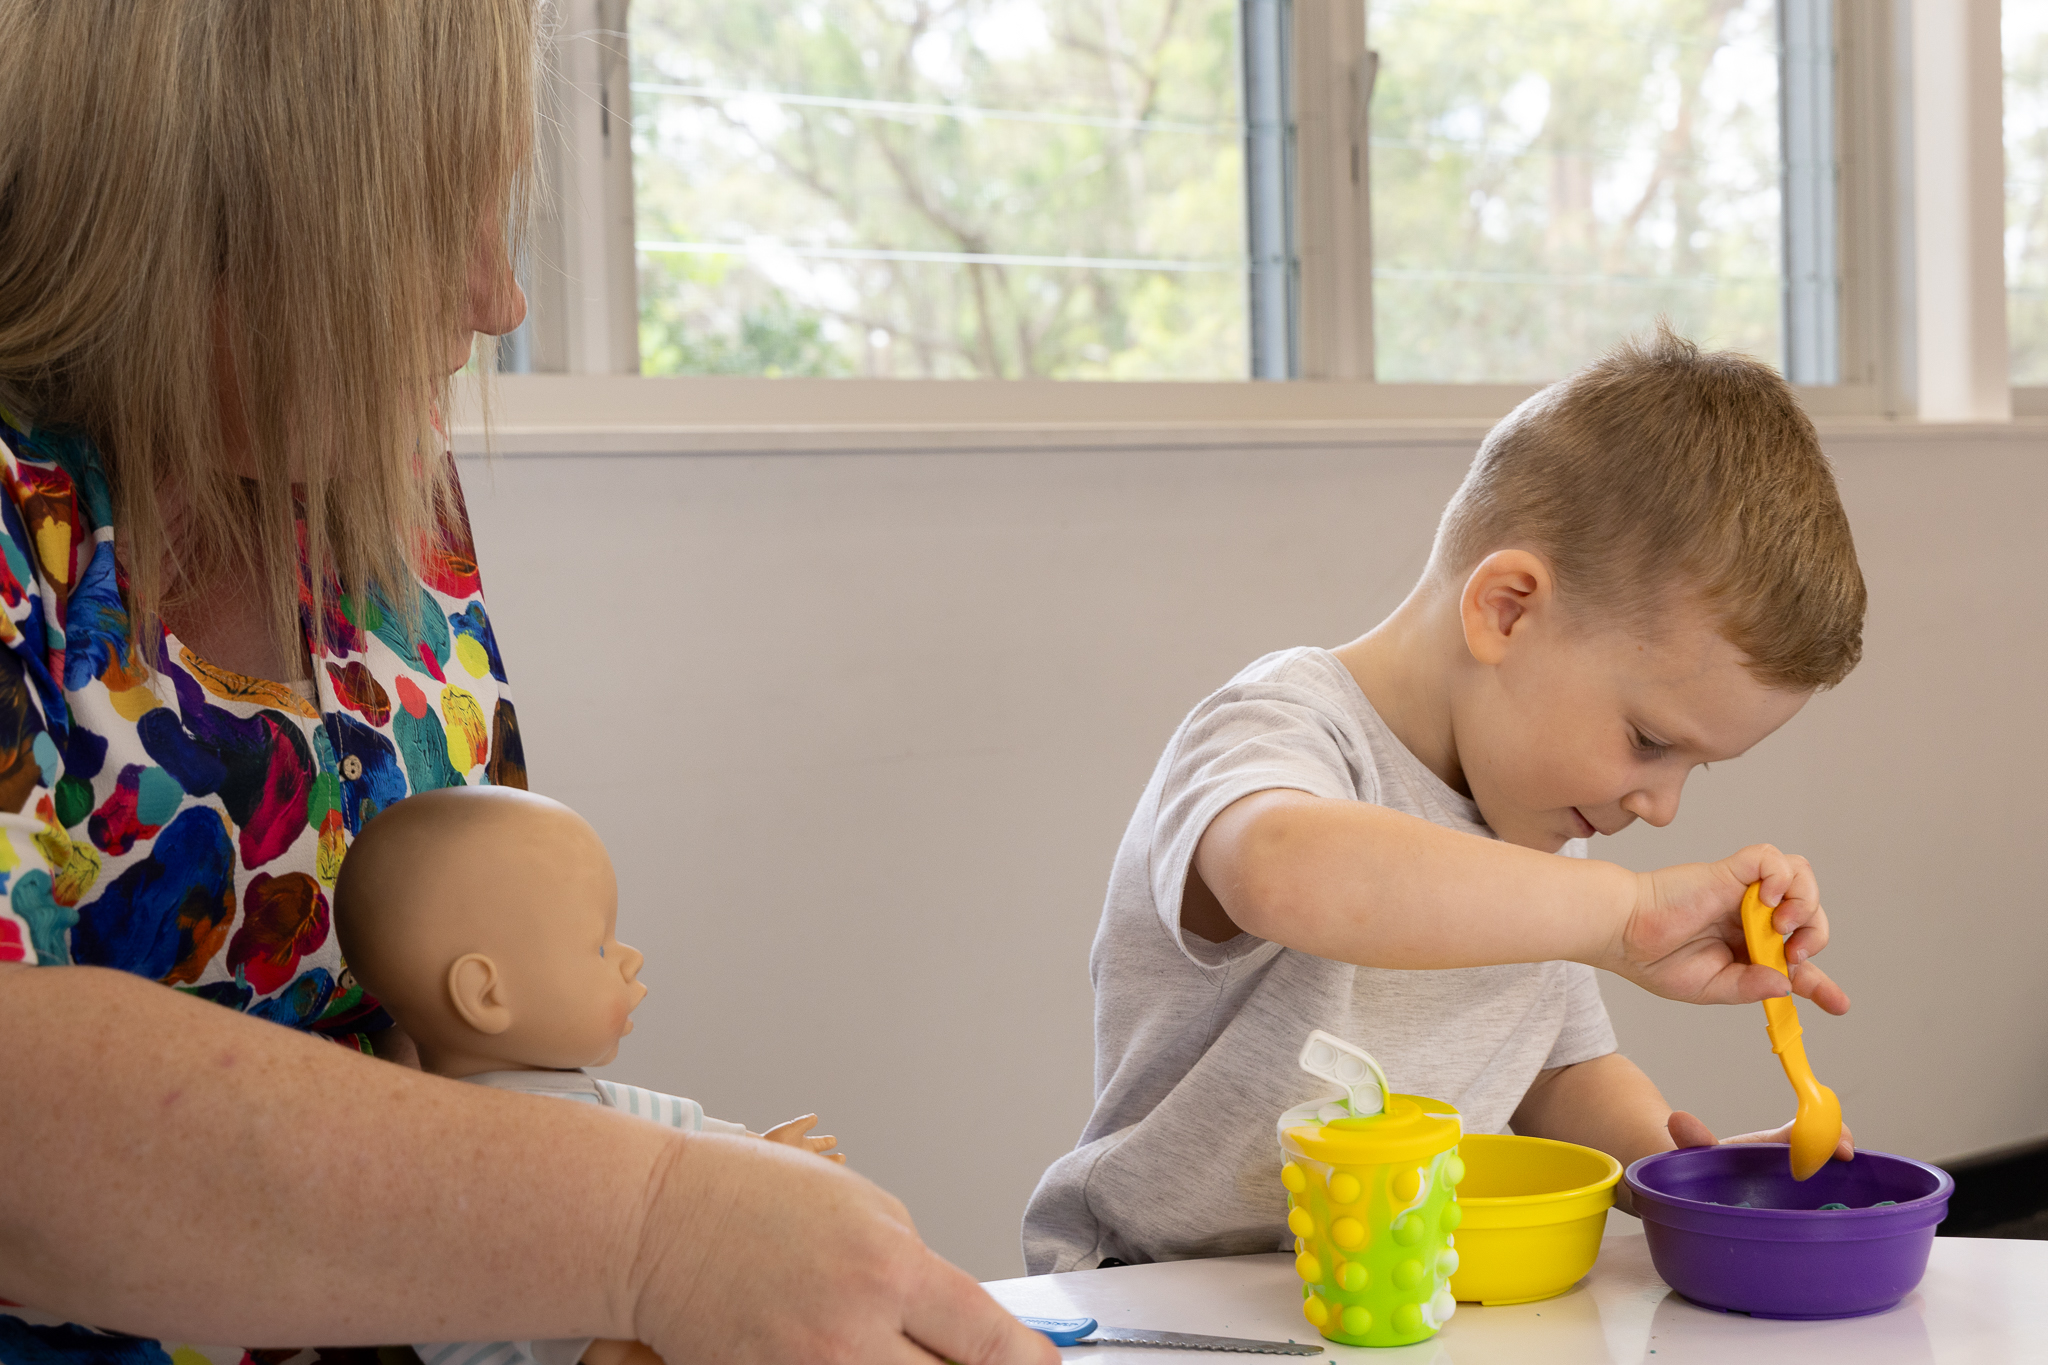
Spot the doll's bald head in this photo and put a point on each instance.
(483, 918)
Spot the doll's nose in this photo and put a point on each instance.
(630, 959)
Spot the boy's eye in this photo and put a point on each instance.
(1645, 745)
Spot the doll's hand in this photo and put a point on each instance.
(791, 1134)
(1688, 1131)
(1683, 940)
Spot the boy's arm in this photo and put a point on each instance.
(1357, 882)
(1606, 1103)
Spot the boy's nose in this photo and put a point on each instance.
(1652, 808)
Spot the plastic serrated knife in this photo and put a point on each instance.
(1087, 1332)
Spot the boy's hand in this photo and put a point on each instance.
(791, 1134)
(1683, 940)
(1688, 1131)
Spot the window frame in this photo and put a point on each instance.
(1886, 241)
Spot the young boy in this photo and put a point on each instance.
(1647, 568)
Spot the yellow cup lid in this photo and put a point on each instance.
(1411, 1128)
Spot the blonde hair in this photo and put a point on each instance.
(1662, 470)
(295, 187)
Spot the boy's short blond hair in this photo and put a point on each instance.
(1662, 472)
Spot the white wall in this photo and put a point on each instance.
(863, 730)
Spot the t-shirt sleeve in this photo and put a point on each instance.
(1586, 1033)
(1240, 741)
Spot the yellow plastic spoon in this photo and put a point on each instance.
(1817, 1127)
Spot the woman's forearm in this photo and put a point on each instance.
(180, 1170)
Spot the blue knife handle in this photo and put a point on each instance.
(1062, 1331)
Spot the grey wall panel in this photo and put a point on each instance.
(862, 732)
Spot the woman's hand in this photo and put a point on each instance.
(1688, 1131)
(751, 1252)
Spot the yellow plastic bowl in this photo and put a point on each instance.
(1533, 1213)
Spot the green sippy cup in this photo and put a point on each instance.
(1371, 1202)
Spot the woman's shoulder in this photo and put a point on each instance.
(56, 459)
(53, 498)
(54, 492)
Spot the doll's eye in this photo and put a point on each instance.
(600, 950)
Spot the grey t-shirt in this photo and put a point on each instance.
(1195, 1042)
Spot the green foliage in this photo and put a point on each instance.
(1551, 175)
(756, 331)
(1146, 169)
(1548, 176)
(2026, 188)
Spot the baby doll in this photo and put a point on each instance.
(485, 918)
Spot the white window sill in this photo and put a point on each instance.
(534, 415)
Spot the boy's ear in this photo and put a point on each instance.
(476, 990)
(1501, 593)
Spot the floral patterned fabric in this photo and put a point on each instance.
(187, 824)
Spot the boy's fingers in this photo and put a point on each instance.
(1763, 863)
(1745, 983)
(1800, 903)
(1688, 1131)
(1815, 984)
(1808, 939)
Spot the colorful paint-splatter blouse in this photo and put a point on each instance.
(186, 823)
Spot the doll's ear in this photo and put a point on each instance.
(476, 990)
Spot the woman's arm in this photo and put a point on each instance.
(179, 1170)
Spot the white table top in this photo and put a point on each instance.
(1983, 1301)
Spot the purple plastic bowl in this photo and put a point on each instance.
(1787, 1257)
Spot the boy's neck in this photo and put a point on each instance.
(1407, 666)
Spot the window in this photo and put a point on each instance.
(983, 188)
(1012, 188)
(2024, 41)
(1550, 175)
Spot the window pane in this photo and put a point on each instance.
(984, 188)
(1549, 176)
(2025, 38)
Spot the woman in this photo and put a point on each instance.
(242, 244)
